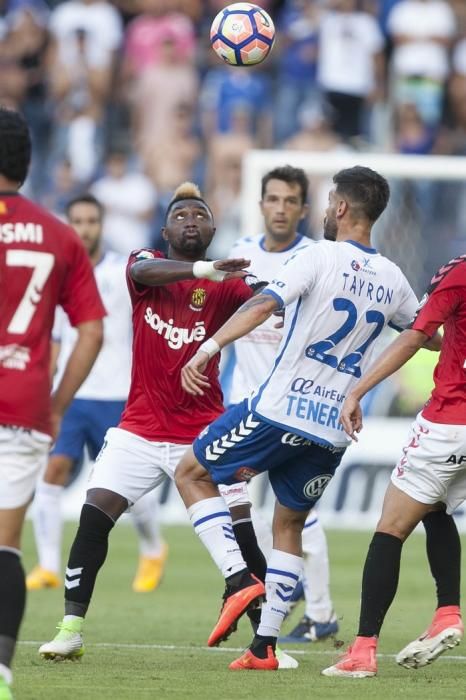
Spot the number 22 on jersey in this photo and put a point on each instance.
(350, 363)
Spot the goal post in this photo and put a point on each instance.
(425, 222)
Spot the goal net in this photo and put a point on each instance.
(424, 224)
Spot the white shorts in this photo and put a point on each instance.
(23, 455)
(432, 467)
(132, 466)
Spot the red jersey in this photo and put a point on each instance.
(169, 324)
(43, 263)
(445, 304)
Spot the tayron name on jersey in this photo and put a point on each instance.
(21, 233)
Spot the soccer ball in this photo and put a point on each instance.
(242, 34)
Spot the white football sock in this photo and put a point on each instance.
(283, 573)
(316, 570)
(47, 520)
(6, 673)
(145, 516)
(211, 520)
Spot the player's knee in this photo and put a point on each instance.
(189, 470)
(395, 527)
(110, 503)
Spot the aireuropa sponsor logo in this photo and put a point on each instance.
(294, 440)
(316, 486)
(300, 385)
(176, 337)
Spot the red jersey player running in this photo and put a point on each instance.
(42, 264)
(177, 303)
(428, 483)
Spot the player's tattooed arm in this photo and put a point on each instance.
(157, 272)
(250, 315)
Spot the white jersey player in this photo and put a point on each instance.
(110, 375)
(338, 297)
(283, 205)
(96, 407)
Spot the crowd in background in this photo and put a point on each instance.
(127, 98)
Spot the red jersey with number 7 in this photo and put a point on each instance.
(43, 263)
(445, 304)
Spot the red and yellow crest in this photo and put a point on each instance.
(198, 298)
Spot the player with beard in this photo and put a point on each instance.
(96, 407)
(177, 302)
(335, 310)
(283, 205)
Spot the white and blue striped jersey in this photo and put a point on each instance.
(109, 378)
(255, 352)
(342, 295)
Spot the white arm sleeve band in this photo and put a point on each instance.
(211, 347)
(203, 269)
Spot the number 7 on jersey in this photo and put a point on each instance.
(42, 265)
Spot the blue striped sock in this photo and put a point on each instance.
(283, 573)
(211, 520)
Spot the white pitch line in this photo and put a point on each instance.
(233, 650)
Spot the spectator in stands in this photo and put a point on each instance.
(129, 199)
(228, 91)
(60, 187)
(422, 32)
(82, 62)
(225, 152)
(350, 64)
(316, 133)
(412, 134)
(178, 158)
(146, 33)
(28, 41)
(297, 64)
(156, 98)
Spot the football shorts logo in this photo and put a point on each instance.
(316, 486)
(198, 298)
(245, 474)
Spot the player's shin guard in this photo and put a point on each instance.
(379, 582)
(283, 572)
(252, 554)
(88, 553)
(12, 601)
(211, 520)
(444, 553)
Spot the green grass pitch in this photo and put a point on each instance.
(141, 646)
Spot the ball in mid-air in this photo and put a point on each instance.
(242, 34)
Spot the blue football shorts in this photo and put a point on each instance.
(84, 425)
(239, 445)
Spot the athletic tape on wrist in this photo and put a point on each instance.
(211, 347)
(204, 269)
